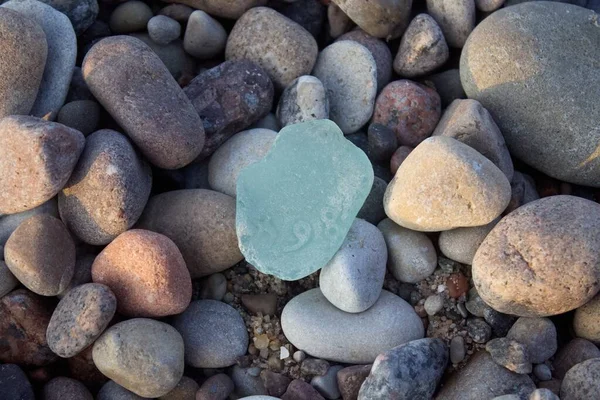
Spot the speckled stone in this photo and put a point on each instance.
(154, 283)
(142, 355)
(63, 388)
(37, 160)
(163, 30)
(412, 110)
(423, 48)
(80, 318)
(547, 249)
(131, 82)
(229, 98)
(214, 334)
(24, 43)
(582, 381)
(130, 16)
(303, 100)
(41, 254)
(204, 36)
(24, 317)
(276, 43)
(576, 351)
(586, 322)
(82, 115)
(379, 18)
(511, 354)
(410, 371)
(455, 17)
(217, 387)
(312, 323)
(185, 390)
(241, 150)
(349, 74)
(202, 225)
(232, 9)
(538, 334)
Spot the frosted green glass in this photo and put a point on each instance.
(295, 206)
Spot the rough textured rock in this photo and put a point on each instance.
(232, 9)
(482, 378)
(423, 48)
(107, 191)
(463, 188)
(214, 334)
(582, 381)
(229, 98)
(14, 383)
(313, 324)
(242, 149)
(276, 43)
(461, 244)
(37, 160)
(468, 122)
(455, 17)
(586, 321)
(511, 354)
(538, 334)
(349, 74)
(529, 63)
(202, 225)
(411, 255)
(63, 388)
(41, 255)
(131, 83)
(409, 371)
(412, 110)
(81, 115)
(130, 16)
(303, 100)
(24, 317)
(154, 283)
(353, 278)
(575, 352)
(24, 43)
(142, 355)
(204, 36)
(383, 19)
(548, 251)
(60, 60)
(350, 379)
(80, 318)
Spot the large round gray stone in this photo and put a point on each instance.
(543, 57)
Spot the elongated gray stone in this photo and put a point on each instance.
(295, 206)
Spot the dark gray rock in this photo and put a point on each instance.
(305, 99)
(229, 98)
(14, 383)
(551, 122)
(372, 211)
(112, 391)
(275, 383)
(216, 387)
(523, 191)
(78, 89)
(511, 354)
(327, 384)
(500, 323)
(63, 388)
(309, 14)
(479, 330)
(247, 381)
(575, 352)
(448, 86)
(300, 390)
(82, 13)
(82, 115)
(582, 382)
(538, 334)
(382, 142)
(409, 371)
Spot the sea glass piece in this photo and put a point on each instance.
(296, 205)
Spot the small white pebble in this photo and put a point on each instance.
(441, 288)
(299, 356)
(283, 353)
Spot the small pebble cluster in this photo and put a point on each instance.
(299, 199)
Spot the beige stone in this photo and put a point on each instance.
(444, 184)
(542, 259)
(385, 19)
(461, 244)
(586, 321)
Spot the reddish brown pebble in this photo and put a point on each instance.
(398, 157)
(300, 390)
(82, 368)
(41, 254)
(80, 317)
(24, 317)
(147, 274)
(265, 304)
(457, 285)
(350, 380)
(40, 376)
(410, 109)
(217, 387)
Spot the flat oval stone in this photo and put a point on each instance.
(322, 180)
(348, 71)
(284, 49)
(353, 278)
(80, 317)
(138, 91)
(142, 355)
(519, 53)
(463, 188)
(313, 324)
(229, 98)
(37, 160)
(242, 149)
(548, 251)
(24, 318)
(154, 283)
(214, 334)
(202, 225)
(108, 189)
(385, 19)
(24, 44)
(60, 61)
(41, 254)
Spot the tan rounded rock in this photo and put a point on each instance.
(201, 223)
(185, 390)
(542, 259)
(147, 274)
(586, 322)
(142, 355)
(380, 18)
(41, 254)
(444, 184)
(461, 244)
(36, 160)
(280, 46)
